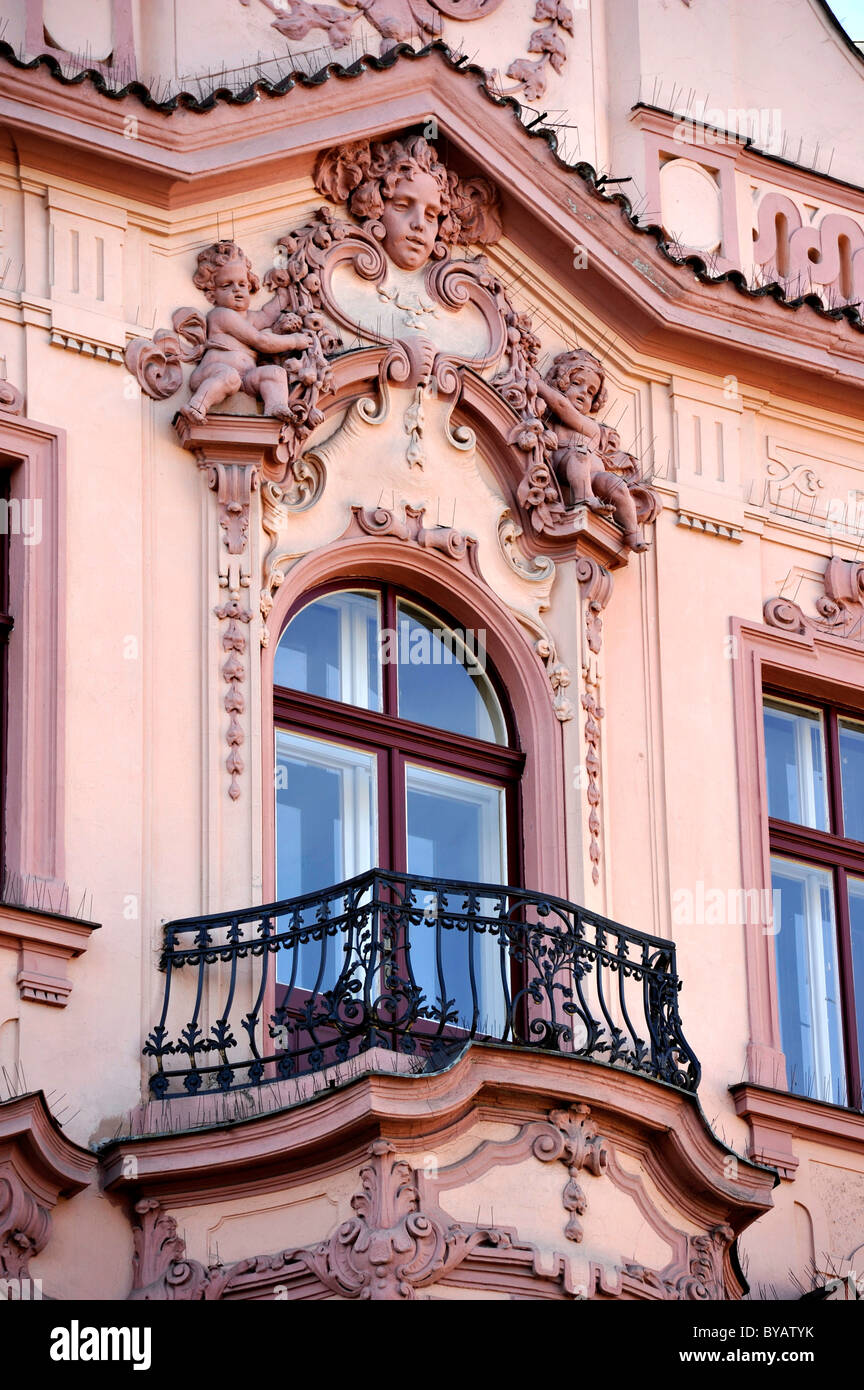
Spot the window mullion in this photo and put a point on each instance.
(390, 670)
(818, 987)
(835, 787)
(398, 815)
(847, 987)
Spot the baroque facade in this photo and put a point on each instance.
(431, 612)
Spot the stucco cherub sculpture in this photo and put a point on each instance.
(588, 456)
(237, 336)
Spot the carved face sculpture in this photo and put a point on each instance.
(410, 220)
(584, 388)
(230, 287)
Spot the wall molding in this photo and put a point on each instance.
(45, 942)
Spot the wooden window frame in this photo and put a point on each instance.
(834, 851)
(7, 622)
(398, 741)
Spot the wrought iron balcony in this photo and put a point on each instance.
(415, 965)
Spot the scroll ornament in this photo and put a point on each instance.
(571, 1137)
(840, 607)
(700, 1281)
(281, 354)
(404, 21)
(160, 1267)
(391, 1248)
(326, 286)
(11, 399)
(25, 1226)
(398, 1240)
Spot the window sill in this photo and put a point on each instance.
(45, 942)
(776, 1118)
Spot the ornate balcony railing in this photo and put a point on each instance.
(417, 966)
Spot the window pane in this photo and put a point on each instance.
(441, 677)
(326, 831)
(808, 980)
(330, 648)
(795, 754)
(856, 920)
(852, 777)
(456, 830)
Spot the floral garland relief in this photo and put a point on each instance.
(399, 21)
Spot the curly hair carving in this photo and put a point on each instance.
(565, 367)
(213, 258)
(364, 176)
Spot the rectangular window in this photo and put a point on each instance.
(456, 830)
(851, 738)
(815, 777)
(326, 832)
(808, 979)
(5, 629)
(795, 749)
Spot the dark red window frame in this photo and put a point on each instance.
(397, 741)
(7, 622)
(831, 850)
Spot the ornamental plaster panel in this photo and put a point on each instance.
(395, 280)
(408, 1228)
(455, 489)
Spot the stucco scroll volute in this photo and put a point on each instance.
(38, 1165)
(839, 608)
(391, 1247)
(11, 399)
(569, 473)
(25, 1226)
(161, 1269)
(571, 1138)
(699, 1277)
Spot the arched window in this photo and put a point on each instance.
(394, 750)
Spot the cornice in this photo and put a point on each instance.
(59, 1167)
(663, 1127)
(175, 159)
(800, 1117)
(45, 942)
(28, 923)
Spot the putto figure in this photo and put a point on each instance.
(237, 336)
(403, 195)
(588, 456)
